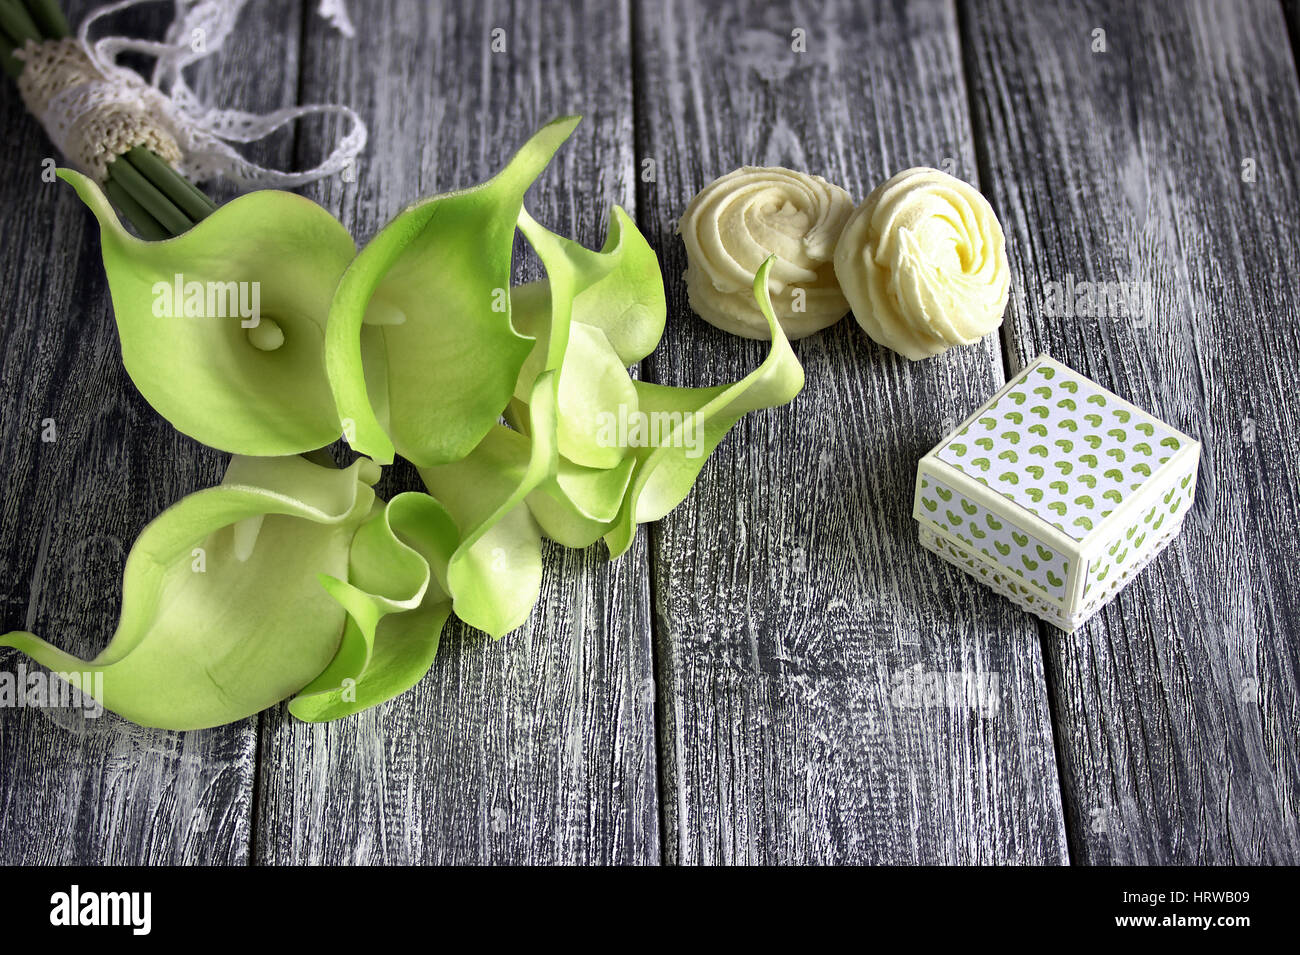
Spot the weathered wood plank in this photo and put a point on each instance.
(1177, 708)
(792, 598)
(540, 747)
(77, 790)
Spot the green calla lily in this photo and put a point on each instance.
(618, 290)
(665, 472)
(436, 283)
(222, 612)
(614, 307)
(397, 602)
(571, 375)
(495, 573)
(223, 328)
(579, 505)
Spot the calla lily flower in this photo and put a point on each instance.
(397, 599)
(223, 328)
(517, 484)
(495, 574)
(649, 476)
(260, 331)
(665, 472)
(308, 588)
(222, 612)
(436, 283)
(570, 372)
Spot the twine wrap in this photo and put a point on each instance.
(90, 119)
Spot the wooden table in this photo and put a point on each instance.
(725, 692)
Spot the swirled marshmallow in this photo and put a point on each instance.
(737, 221)
(923, 262)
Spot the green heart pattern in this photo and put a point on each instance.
(1071, 469)
(996, 577)
(1128, 548)
(1024, 559)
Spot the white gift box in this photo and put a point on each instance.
(1055, 492)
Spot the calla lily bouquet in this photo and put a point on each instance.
(261, 331)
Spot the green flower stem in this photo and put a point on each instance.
(48, 15)
(17, 23)
(11, 64)
(182, 193)
(16, 29)
(144, 223)
(146, 194)
(159, 202)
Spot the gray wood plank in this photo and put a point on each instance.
(539, 747)
(791, 595)
(1176, 709)
(77, 790)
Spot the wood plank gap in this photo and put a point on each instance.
(979, 134)
(539, 747)
(103, 791)
(259, 746)
(641, 216)
(1291, 11)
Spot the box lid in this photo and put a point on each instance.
(1062, 447)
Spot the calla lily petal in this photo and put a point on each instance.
(495, 574)
(627, 302)
(397, 602)
(619, 290)
(615, 305)
(608, 288)
(579, 505)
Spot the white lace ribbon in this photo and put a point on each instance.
(204, 135)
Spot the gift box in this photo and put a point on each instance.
(1055, 492)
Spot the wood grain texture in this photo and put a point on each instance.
(538, 748)
(1177, 707)
(77, 790)
(791, 596)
